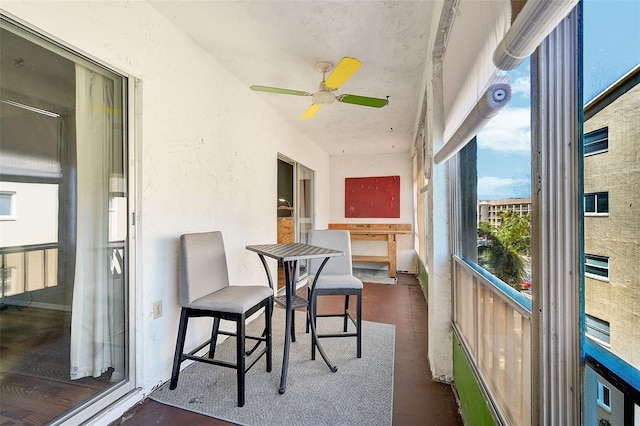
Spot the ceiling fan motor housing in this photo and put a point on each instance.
(323, 97)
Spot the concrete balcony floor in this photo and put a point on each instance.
(417, 399)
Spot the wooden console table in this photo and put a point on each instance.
(376, 232)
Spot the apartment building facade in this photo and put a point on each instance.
(611, 225)
(488, 210)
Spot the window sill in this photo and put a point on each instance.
(600, 342)
(596, 153)
(604, 407)
(597, 277)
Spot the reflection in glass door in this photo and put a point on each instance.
(304, 208)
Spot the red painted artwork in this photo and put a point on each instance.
(372, 197)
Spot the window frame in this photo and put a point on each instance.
(13, 209)
(593, 139)
(588, 256)
(604, 393)
(604, 327)
(596, 203)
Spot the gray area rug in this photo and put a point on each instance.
(359, 393)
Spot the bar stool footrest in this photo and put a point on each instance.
(296, 301)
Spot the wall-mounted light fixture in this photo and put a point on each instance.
(287, 207)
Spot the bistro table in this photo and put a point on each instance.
(289, 255)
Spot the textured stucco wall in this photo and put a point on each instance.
(376, 165)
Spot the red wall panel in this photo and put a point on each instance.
(372, 197)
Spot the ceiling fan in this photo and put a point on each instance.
(325, 95)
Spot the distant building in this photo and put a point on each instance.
(488, 209)
(611, 231)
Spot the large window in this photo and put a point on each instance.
(559, 162)
(492, 287)
(503, 175)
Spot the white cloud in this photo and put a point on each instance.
(494, 188)
(509, 131)
(521, 87)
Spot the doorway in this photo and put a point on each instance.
(295, 207)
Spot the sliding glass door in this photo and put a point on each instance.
(63, 230)
(304, 205)
(304, 208)
(295, 204)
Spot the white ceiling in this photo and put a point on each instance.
(278, 43)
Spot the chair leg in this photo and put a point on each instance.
(240, 343)
(177, 358)
(346, 309)
(359, 325)
(306, 329)
(293, 325)
(267, 326)
(314, 317)
(214, 337)
(313, 312)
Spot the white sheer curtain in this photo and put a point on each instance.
(92, 318)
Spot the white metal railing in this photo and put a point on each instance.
(493, 323)
(34, 267)
(28, 268)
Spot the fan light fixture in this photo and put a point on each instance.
(323, 97)
(284, 200)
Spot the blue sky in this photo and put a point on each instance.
(611, 49)
(612, 42)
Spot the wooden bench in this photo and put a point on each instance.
(376, 232)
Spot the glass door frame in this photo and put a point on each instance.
(304, 208)
(302, 191)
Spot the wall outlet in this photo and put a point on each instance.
(157, 309)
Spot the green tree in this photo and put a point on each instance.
(505, 247)
(515, 231)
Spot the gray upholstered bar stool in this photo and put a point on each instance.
(205, 292)
(336, 279)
